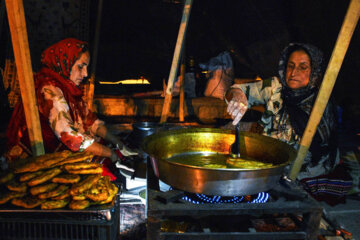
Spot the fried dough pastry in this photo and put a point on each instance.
(97, 170)
(53, 204)
(4, 198)
(6, 177)
(16, 186)
(29, 167)
(75, 157)
(30, 175)
(42, 162)
(54, 193)
(113, 190)
(48, 156)
(99, 191)
(81, 165)
(79, 204)
(79, 197)
(43, 188)
(27, 201)
(47, 175)
(66, 178)
(62, 196)
(84, 185)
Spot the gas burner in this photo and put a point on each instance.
(202, 198)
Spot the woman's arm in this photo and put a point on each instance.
(103, 132)
(243, 96)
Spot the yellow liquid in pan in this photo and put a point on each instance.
(216, 161)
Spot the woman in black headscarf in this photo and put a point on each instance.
(288, 103)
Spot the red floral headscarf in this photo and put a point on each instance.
(61, 56)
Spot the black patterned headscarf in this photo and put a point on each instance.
(298, 103)
(316, 59)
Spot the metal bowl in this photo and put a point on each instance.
(220, 181)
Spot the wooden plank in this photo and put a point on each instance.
(333, 68)
(175, 62)
(182, 92)
(16, 16)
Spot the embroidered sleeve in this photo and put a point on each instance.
(69, 132)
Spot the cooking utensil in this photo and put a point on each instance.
(164, 146)
(235, 147)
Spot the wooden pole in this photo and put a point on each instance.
(175, 62)
(90, 93)
(182, 91)
(16, 16)
(333, 68)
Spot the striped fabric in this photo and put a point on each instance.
(331, 188)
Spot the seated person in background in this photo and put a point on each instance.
(288, 103)
(66, 121)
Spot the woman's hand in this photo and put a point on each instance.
(122, 164)
(127, 151)
(238, 105)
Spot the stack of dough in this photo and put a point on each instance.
(57, 180)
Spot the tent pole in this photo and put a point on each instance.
(20, 43)
(333, 68)
(175, 61)
(91, 88)
(182, 90)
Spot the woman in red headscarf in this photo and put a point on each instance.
(66, 121)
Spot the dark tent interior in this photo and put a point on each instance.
(137, 38)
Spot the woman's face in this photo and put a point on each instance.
(298, 70)
(79, 69)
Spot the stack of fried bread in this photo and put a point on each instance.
(57, 180)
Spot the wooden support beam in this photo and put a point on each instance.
(175, 62)
(182, 91)
(91, 87)
(16, 16)
(333, 68)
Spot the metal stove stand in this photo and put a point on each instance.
(286, 200)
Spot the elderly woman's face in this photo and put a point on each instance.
(298, 70)
(79, 69)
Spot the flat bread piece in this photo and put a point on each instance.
(78, 197)
(79, 204)
(46, 176)
(54, 193)
(97, 170)
(62, 196)
(99, 191)
(54, 204)
(15, 186)
(27, 176)
(82, 186)
(5, 197)
(75, 157)
(113, 190)
(81, 165)
(66, 179)
(27, 202)
(43, 188)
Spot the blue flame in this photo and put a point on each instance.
(202, 198)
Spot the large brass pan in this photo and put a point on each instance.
(216, 181)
